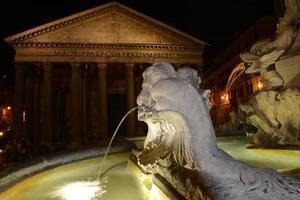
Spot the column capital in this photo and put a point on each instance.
(102, 65)
(47, 66)
(19, 65)
(75, 65)
(18, 62)
(131, 65)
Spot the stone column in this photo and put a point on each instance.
(47, 106)
(199, 67)
(85, 110)
(130, 98)
(18, 102)
(88, 108)
(102, 86)
(28, 107)
(36, 112)
(76, 107)
(141, 127)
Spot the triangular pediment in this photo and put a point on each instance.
(110, 23)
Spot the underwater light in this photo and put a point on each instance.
(81, 190)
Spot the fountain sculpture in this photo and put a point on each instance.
(181, 144)
(275, 111)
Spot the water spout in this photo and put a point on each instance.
(234, 75)
(111, 140)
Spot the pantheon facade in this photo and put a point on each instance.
(77, 76)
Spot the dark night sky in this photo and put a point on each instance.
(215, 22)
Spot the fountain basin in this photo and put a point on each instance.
(74, 176)
(122, 179)
(118, 183)
(282, 160)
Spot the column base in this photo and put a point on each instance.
(74, 145)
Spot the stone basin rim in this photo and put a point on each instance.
(18, 172)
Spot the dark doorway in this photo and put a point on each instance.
(116, 111)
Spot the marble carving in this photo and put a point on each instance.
(275, 110)
(181, 144)
(275, 114)
(266, 52)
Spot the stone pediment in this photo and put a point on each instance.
(111, 23)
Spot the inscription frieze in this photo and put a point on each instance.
(97, 53)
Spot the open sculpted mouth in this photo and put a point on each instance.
(145, 113)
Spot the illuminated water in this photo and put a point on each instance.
(124, 183)
(121, 182)
(111, 140)
(287, 161)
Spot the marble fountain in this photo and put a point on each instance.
(181, 158)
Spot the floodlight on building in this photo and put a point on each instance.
(8, 108)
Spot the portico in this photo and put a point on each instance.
(78, 74)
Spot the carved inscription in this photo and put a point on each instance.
(95, 53)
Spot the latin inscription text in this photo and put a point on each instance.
(95, 53)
